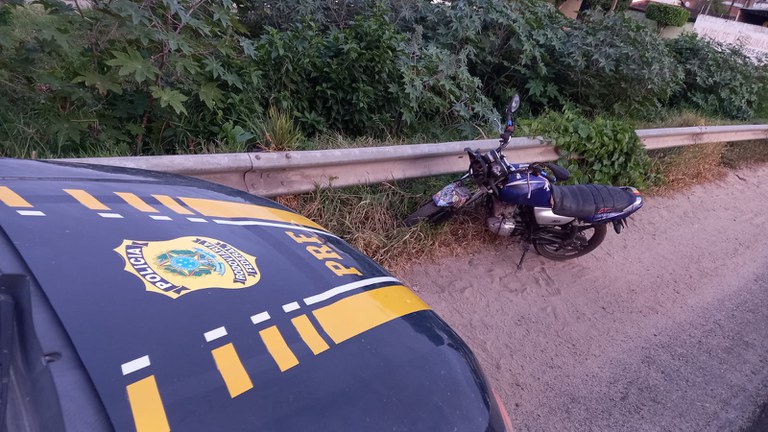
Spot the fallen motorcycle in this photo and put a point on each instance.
(561, 222)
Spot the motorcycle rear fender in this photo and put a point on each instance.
(615, 216)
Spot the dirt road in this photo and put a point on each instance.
(662, 328)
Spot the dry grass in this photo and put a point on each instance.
(370, 219)
(684, 167)
(742, 154)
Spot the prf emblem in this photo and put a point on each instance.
(179, 266)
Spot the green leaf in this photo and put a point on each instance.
(214, 67)
(177, 42)
(52, 34)
(233, 80)
(201, 27)
(127, 8)
(535, 88)
(134, 129)
(583, 130)
(170, 97)
(241, 136)
(102, 82)
(210, 94)
(132, 62)
(185, 64)
(221, 15)
(177, 9)
(248, 47)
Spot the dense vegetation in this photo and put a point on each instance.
(718, 79)
(181, 76)
(609, 150)
(667, 15)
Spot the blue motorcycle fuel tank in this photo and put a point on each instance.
(523, 189)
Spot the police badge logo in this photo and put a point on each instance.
(182, 265)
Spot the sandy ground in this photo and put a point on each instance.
(662, 328)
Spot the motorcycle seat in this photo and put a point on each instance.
(583, 201)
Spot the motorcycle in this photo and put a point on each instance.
(522, 200)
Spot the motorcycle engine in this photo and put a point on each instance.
(501, 219)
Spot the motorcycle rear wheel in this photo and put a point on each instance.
(579, 247)
(429, 212)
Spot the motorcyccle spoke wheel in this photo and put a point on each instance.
(559, 243)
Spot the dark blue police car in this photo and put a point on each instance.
(135, 300)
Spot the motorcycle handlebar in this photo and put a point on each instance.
(535, 170)
(532, 168)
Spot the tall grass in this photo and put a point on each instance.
(279, 131)
(370, 219)
(680, 168)
(745, 154)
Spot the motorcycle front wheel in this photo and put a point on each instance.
(587, 240)
(429, 212)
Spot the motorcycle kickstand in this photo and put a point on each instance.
(526, 247)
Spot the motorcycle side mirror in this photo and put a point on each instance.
(514, 104)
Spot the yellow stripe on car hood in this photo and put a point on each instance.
(228, 209)
(361, 312)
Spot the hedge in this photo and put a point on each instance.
(667, 15)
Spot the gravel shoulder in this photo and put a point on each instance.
(662, 328)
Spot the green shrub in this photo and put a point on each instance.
(667, 15)
(161, 78)
(603, 64)
(343, 79)
(128, 76)
(605, 5)
(609, 151)
(367, 78)
(439, 91)
(172, 77)
(260, 15)
(614, 64)
(512, 46)
(718, 79)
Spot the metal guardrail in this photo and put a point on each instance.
(281, 173)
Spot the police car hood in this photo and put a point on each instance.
(195, 307)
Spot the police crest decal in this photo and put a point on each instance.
(185, 264)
